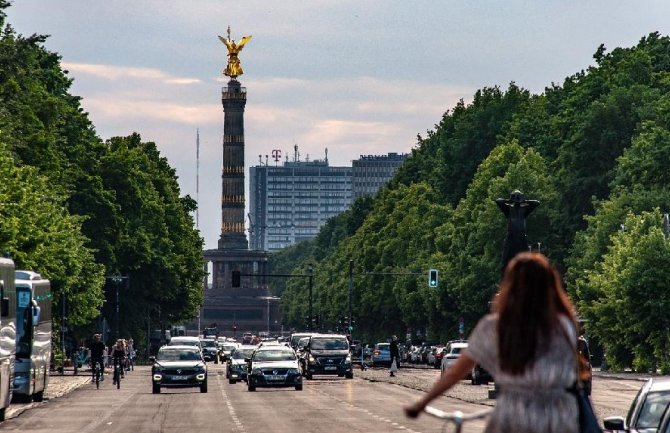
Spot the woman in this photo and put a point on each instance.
(528, 346)
(118, 356)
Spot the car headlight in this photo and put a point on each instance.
(311, 359)
(293, 371)
(347, 360)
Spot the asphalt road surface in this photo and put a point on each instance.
(326, 404)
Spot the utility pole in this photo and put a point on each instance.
(310, 275)
(351, 288)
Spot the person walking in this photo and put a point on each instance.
(395, 356)
(528, 345)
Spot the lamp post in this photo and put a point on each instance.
(117, 280)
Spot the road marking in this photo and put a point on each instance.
(364, 410)
(238, 424)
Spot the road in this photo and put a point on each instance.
(326, 404)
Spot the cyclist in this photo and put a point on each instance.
(118, 358)
(96, 353)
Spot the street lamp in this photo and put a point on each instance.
(117, 280)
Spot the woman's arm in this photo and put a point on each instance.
(458, 371)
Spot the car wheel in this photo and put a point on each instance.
(474, 378)
(232, 381)
(203, 387)
(298, 387)
(38, 396)
(349, 375)
(156, 389)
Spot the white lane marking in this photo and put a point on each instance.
(238, 424)
(367, 411)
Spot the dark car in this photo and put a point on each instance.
(274, 366)
(328, 354)
(210, 350)
(646, 411)
(178, 367)
(479, 376)
(236, 363)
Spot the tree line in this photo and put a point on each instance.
(79, 209)
(593, 150)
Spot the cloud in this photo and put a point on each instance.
(115, 73)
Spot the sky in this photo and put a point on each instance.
(361, 77)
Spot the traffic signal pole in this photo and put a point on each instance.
(351, 288)
(310, 274)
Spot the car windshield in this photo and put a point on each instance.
(295, 339)
(383, 346)
(456, 350)
(329, 343)
(274, 355)
(652, 410)
(178, 355)
(208, 343)
(242, 353)
(228, 347)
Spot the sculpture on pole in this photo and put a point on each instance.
(516, 209)
(234, 67)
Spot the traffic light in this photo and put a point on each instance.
(236, 278)
(432, 278)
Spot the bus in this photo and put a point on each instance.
(33, 336)
(7, 333)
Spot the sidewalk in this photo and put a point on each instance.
(59, 385)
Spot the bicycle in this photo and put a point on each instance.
(96, 374)
(457, 417)
(117, 373)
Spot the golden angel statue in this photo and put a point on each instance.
(234, 67)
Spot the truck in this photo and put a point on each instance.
(33, 336)
(7, 333)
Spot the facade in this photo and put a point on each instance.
(371, 172)
(289, 203)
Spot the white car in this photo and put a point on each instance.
(453, 351)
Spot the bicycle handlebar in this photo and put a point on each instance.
(457, 417)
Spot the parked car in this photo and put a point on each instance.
(236, 363)
(328, 354)
(433, 355)
(646, 411)
(274, 366)
(381, 354)
(585, 353)
(454, 349)
(178, 367)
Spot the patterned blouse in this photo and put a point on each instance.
(536, 400)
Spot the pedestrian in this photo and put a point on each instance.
(395, 356)
(528, 345)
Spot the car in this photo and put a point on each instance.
(381, 355)
(453, 352)
(295, 338)
(646, 410)
(433, 355)
(178, 366)
(479, 376)
(210, 350)
(415, 355)
(328, 354)
(273, 366)
(227, 348)
(236, 363)
(585, 354)
(185, 340)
